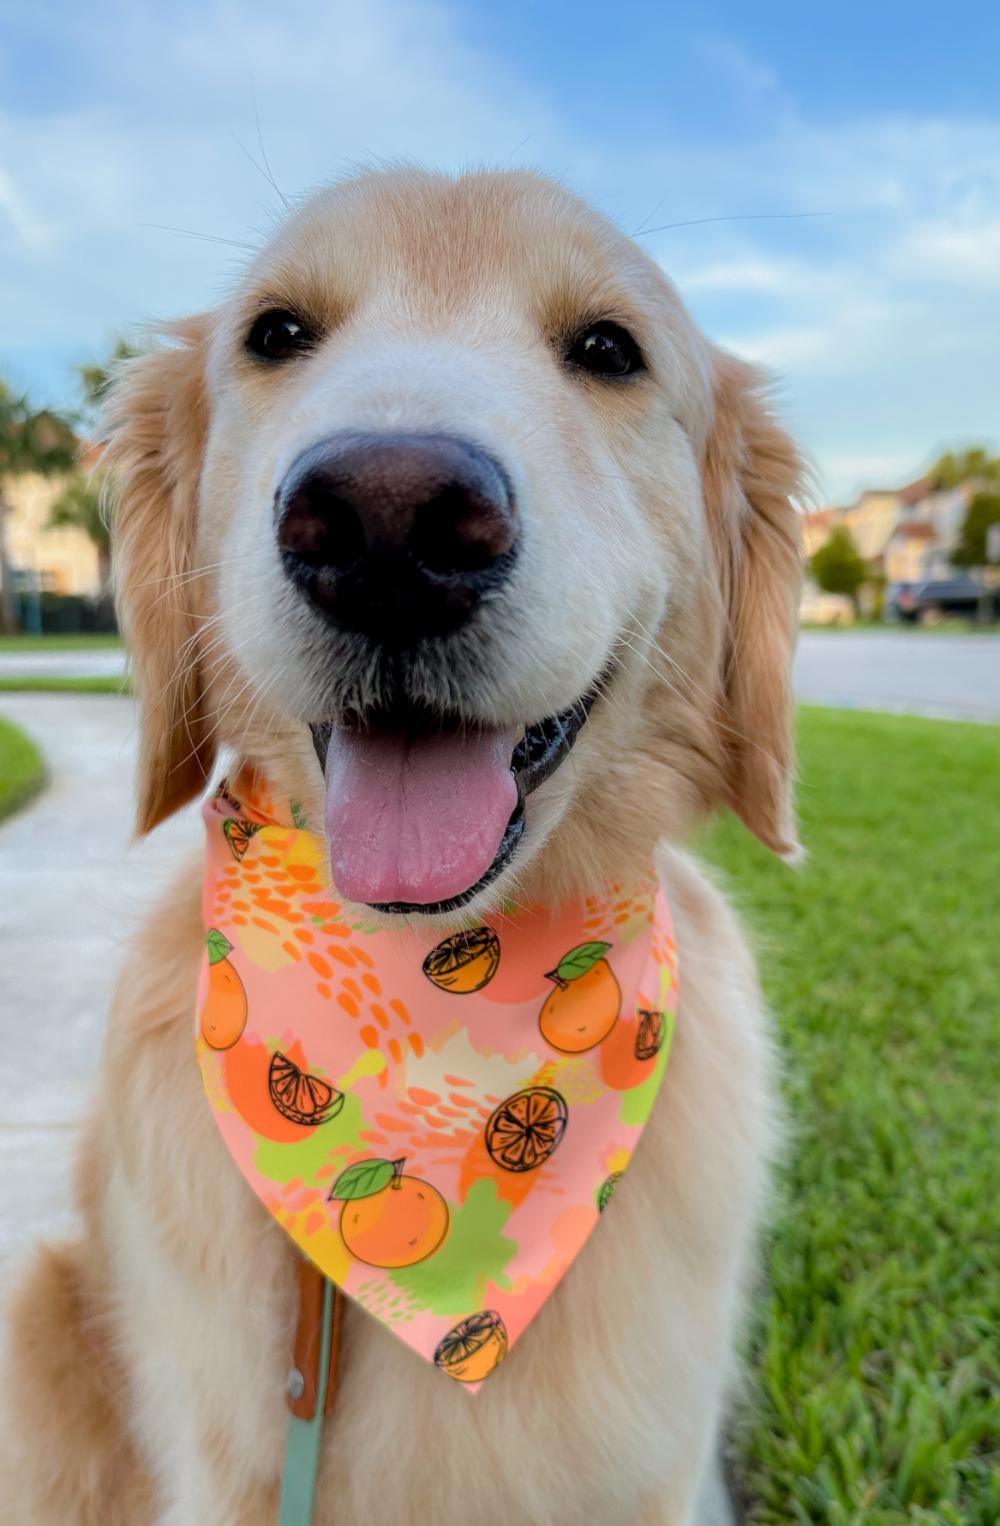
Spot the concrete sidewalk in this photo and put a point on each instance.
(71, 890)
(944, 676)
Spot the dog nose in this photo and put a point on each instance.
(396, 535)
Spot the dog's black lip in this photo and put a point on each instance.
(535, 758)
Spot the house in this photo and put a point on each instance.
(911, 546)
(48, 561)
(871, 522)
(905, 535)
(817, 528)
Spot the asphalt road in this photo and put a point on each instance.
(952, 676)
(956, 677)
(100, 662)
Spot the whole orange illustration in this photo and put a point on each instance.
(584, 1007)
(389, 1219)
(224, 1015)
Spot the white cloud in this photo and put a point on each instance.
(745, 275)
(162, 144)
(879, 316)
(951, 253)
(27, 229)
(738, 65)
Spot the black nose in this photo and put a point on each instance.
(396, 535)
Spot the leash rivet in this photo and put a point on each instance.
(296, 1384)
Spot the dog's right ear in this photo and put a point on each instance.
(156, 423)
(752, 475)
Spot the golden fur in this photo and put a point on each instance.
(145, 1380)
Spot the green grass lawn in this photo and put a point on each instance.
(22, 768)
(46, 683)
(874, 1352)
(58, 643)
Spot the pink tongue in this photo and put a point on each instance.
(416, 818)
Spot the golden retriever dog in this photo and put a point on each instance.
(601, 504)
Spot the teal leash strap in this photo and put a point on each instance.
(302, 1444)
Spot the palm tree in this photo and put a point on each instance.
(31, 440)
(79, 506)
(95, 380)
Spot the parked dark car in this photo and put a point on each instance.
(956, 597)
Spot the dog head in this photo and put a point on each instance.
(451, 502)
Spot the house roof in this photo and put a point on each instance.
(914, 491)
(916, 529)
(817, 518)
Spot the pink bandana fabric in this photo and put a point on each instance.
(438, 1122)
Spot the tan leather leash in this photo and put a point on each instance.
(312, 1389)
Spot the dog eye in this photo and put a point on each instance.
(606, 349)
(277, 335)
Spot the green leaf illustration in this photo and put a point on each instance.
(606, 1191)
(218, 945)
(579, 960)
(364, 1179)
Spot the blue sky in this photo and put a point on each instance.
(881, 318)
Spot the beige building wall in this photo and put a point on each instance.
(817, 528)
(905, 560)
(871, 522)
(64, 561)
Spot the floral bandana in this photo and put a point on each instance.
(438, 1122)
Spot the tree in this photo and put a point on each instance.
(81, 503)
(974, 464)
(80, 506)
(96, 380)
(983, 511)
(31, 440)
(838, 566)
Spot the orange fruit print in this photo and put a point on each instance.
(238, 834)
(472, 1349)
(389, 1219)
(465, 962)
(299, 1097)
(627, 1053)
(649, 1039)
(247, 1072)
(523, 1131)
(584, 1007)
(224, 1015)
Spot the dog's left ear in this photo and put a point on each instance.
(156, 420)
(751, 475)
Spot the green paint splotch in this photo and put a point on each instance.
(284, 1162)
(454, 1279)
